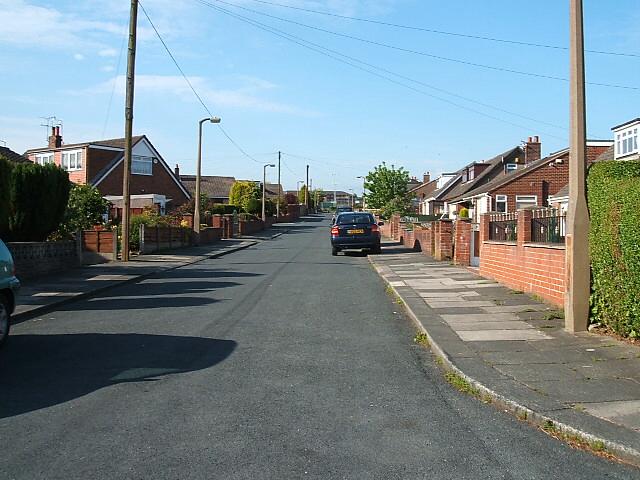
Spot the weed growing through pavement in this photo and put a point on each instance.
(421, 338)
(462, 385)
(554, 315)
(517, 292)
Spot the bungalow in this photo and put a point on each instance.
(101, 164)
(532, 185)
(216, 188)
(433, 204)
(477, 174)
(421, 192)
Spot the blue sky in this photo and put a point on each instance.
(68, 58)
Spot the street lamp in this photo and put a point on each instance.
(364, 179)
(352, 199)
(196, 207)
(264, 188)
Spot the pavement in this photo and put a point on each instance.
(278, 361)
(514, 349)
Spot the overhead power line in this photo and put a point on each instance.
(421, 53)
(371, 69)
(442, 32)
(204, 105)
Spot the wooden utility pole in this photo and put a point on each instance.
(128, 129)
(577, 267)
(306, 190)
(279, 187)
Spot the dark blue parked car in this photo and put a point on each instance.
(355, 230)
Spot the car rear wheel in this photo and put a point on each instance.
(334, 251)
(376, 249)
(5, 322)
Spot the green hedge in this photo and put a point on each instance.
(614, 205)
(38, 198)
(5, 182)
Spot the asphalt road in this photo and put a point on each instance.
(276, 362)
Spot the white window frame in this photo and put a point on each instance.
(137, 160)
(502, 199)
(44, 158)
(522, 198)
(71, 160)
(627, 142)
(510, 167)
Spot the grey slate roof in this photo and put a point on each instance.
(12, 156)
(211, 185)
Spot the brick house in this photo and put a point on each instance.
(532, 185)
(433, 203)
(478, 174)
(421, 192)
(101, 164)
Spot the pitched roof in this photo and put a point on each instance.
(112, 142)
(495, 165)
(607, 155)
(212, 186)
(563, 192)
(12, 156)
(511, 176)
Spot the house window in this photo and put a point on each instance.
(72, 160)
(44, 158)
(501, 203)
(523, 201)
(511, 167)
(627, 142)
(142, 165)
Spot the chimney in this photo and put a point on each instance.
(55, 139)
(532, 150)
(177, 171)
(426, 178)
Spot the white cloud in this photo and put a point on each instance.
(108, 52)
(107, 68)
(30, 25)
(244, 96)
(78, 56)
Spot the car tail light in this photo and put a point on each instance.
(335, 231)
(374, 228)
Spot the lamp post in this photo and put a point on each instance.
(264, 189)
(352, 199)
(196, 206)
(364, 179)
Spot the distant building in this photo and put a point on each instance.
(215, 188)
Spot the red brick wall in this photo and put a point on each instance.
(443, 240)
(462, 246)
(532, 268)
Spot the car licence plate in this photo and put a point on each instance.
(354, 231)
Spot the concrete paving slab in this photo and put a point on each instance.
(626, 413)
(588, 391)
(488, 326)
(488, 335)
(512, 308)
(457, 303)
(443, 295)
(480, 317)
(538, 371)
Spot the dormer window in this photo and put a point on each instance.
(72, 160)
(510, 167)
(626, 139)
(44, 158)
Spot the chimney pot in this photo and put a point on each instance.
(177, 171)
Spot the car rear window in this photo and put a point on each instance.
(349, 218)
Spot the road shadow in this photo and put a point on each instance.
(39, 371)
(138, 301)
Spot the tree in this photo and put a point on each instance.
(386, 184)
(85, 209)
(302, 194)
(291, 199)
(401, 205)
(242, 192)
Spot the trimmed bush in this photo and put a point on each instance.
(614, 241)
(464, 213)
(38, 196)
